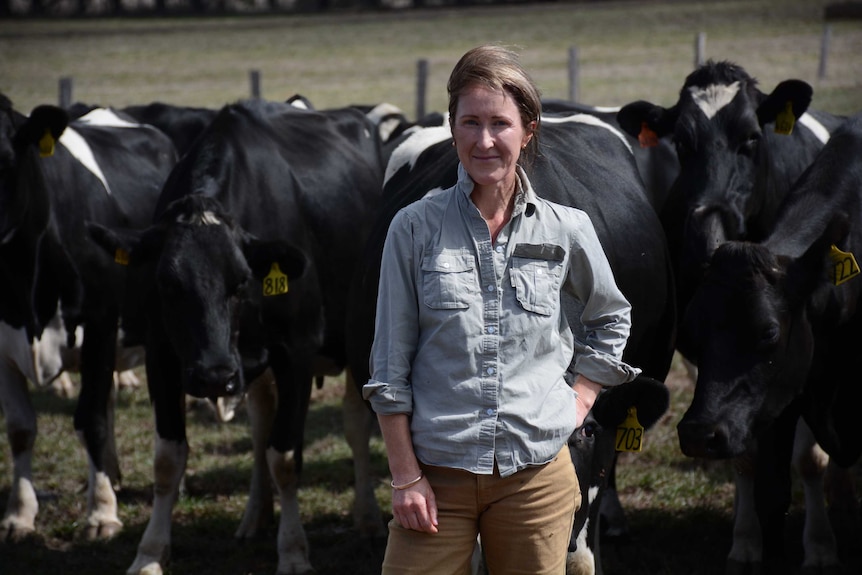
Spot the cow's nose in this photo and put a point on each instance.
(214, 381)
(702, 440)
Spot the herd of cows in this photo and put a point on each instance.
(239, 249)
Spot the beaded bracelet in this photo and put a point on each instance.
(406, 485)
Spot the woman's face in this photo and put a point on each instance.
(489, 135)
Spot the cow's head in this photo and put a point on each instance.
(25, 213)
(204, 281)
(718, 126)
(593, 450)
(750, 331)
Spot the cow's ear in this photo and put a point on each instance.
(637, 115)
(127, 247)
(805, 273)
(648, 395)
(791, 96)
(43, 120)
(261, 255)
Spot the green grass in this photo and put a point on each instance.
(679, 509)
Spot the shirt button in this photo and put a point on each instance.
(489, 411)
(491, 329)
(446, 265)
(499, 249)
(490, 371)
(490, 288)
(538, 272)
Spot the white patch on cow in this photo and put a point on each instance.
(819, 130)
(107, 118)
(80, 149)
(590, 120)
(386, 117)
(409, 150)
(207, 218)
(713, 98)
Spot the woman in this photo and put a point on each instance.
(471, 351)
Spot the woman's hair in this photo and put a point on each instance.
(498, 68)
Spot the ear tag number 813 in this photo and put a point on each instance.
(630, 433)
(275, 282)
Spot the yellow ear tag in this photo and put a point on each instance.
(844, 266)
(275, 282)
(121, 257)
(46, 144)
(785, 120)
(630, 433)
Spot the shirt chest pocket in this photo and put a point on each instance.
(449, 280)
(537, 283)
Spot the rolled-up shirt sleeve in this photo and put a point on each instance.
(396, 328)
(605, 312)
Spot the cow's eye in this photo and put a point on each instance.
(589, 429)
(749, 146)
(769, 336)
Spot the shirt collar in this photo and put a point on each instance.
(524, 195)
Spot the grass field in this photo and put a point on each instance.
(679, 509)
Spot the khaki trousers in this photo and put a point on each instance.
(525, 522)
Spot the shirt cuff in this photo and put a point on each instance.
(388, 399)
(606, 371)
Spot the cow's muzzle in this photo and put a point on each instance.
(214, 381)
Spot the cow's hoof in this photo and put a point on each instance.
(150, 569)
(13, 533)
(103, 531)
(739, 568)
(830, 569)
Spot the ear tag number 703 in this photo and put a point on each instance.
(630, 433)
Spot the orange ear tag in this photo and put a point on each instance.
(647, 138)
(785, 120)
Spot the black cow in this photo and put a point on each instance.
(583, 163)
(182, 124)
(772, 328)
(242, 281)
(103, 168)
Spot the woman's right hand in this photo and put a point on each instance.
(415, 507)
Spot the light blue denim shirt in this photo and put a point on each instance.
(471, 339)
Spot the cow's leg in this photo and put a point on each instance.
(169, 466)
(169, 463)
(358, 426)
(746, 551)
(94, 424)
(261, 400)
(22, 505)
(293, 378)
(818, 541)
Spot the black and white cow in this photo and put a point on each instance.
(43, 361)
(773, 328)
(242, 282)
(102, 168)
(739, 150)
(656, 161)
(735, 167)
(583, 162)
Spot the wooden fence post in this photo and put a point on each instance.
(573, 74)
(254, 78)
(699, 48)
(824, 50)
(421, 87)
(65, 92)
